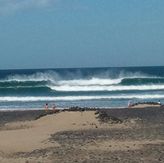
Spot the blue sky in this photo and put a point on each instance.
(81, 33)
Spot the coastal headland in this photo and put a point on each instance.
(84, 135)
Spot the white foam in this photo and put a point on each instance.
(77, 98)
(56, 78)
(88, 82)
(47, 76)
(103, 83)
(68, 88)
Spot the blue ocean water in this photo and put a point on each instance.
(85, 87)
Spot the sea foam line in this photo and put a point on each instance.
(78, 98)
(92, 81)
(80, 82)
(68, 88)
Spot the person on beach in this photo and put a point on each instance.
(46, 107)
(54, 108)
(129, 104)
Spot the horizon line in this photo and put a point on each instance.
(78, 67)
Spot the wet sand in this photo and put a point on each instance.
(83, 135)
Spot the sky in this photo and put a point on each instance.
(81, 33)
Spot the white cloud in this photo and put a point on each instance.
(8, 6)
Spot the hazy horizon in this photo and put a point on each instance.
(103, 67)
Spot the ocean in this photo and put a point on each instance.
(83, 87)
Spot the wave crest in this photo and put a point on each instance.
(68, 88)
(60, 83)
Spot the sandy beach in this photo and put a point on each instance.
(81, 81)
(83, 135)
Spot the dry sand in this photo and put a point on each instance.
(28, 136)
(75, 136)
(31, 135)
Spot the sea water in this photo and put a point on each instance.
(83, 87)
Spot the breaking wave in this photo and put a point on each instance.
(55, 86)
(74, 78)
(68, 88)
(18, 87)
(80, 98)
(52, 81)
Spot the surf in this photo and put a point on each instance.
(92, 86)
(78, 98)
(68, 88)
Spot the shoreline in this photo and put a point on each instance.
(9, 115)
(86, 108)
